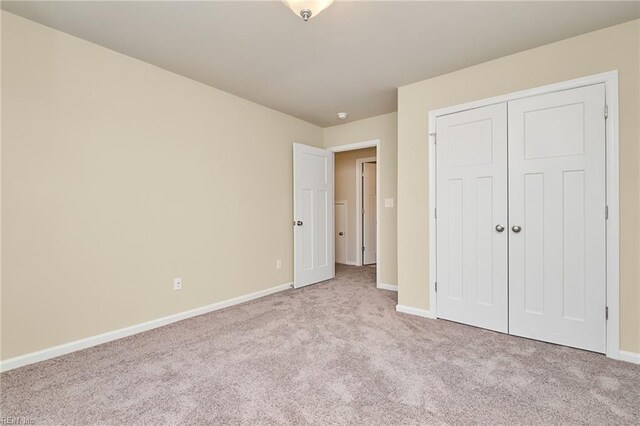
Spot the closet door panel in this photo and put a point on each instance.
(557, 197)
(471, 161)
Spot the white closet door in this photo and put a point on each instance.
(471, 162)
(557, 198)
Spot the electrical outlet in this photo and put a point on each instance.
(278, 264)
(177, 284)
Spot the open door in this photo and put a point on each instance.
(369, 213)
(313, 215)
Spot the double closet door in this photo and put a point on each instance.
(521, 217)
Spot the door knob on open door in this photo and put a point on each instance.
(299, 223)
(499, 228)
(516, 229)
(341, 233)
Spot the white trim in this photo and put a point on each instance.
(432, 215)
(350, 263)
(359, 236)
(390, 287)
(629, 357)
(99, 339)
(610, 79)
(353, 146)
(613, 223)
(374, 143)
(415, 311)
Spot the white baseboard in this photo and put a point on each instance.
(415, 311)
(389, 287)
(88, 342)
(630, 357)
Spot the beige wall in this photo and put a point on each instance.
(383, 127)
(118, 176)
(345, 183)
(609, 49)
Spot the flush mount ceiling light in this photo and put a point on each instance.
(342, 115)
(307, 8)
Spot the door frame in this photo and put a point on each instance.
(374, 143)
(359, 223)
(610, 80)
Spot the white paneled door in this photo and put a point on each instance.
(313, 214)
(525, 255)
(369, 213)
(557, 217)
(472, 217)
(340, 234)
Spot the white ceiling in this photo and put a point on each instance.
(351, 57)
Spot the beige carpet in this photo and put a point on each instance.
(332, 353)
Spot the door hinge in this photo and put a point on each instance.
(606, 212)
(606, 313)
(435, 138)
(362, 212)
(435, 213)
(436, 286)
(363, 249)
(606, 112)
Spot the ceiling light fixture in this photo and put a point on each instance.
(307, 8)
(342, 115)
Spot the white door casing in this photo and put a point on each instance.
(340, 234)
(369, 204)
(557, 275)
(472, 200)
(313, 214)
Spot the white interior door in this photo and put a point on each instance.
(313, 215)
(471, 163)
(341, 231)
(369, 213)
(557, 200)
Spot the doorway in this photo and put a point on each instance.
(318, 240)
(357, 184)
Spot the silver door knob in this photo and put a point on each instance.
(516, 229)
(299, 223)
(499, 228)
(341, 233)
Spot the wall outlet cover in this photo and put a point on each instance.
(177, 284)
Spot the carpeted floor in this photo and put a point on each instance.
(332, 353)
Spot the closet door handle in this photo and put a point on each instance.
(516, 229)
(499, 228)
